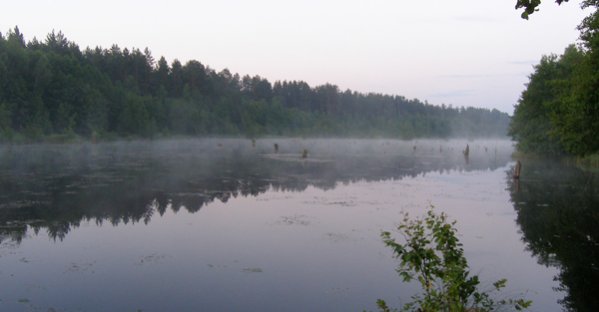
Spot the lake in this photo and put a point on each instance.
(233, 225)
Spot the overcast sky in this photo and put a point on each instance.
(460, 52)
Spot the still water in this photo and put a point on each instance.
(228, 225)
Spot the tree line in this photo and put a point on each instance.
(52, 87)
(558, 112)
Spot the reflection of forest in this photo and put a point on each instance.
(558, 211)
(56, 187)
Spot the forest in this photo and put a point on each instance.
(51, 88)
(558, 112)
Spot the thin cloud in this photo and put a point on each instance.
(476, 19)
(477, 76)
(466, 76)
(452, 93)
(523, 62)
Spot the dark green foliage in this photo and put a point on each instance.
(531, 125)
(531, 6)
(51, 87)
(558, 113)
(433, 256)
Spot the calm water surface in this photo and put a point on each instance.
(222, 225)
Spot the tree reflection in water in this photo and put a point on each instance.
(56, 187)
(558, 212)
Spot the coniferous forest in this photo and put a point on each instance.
(53, 88)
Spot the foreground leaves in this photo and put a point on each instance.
(432, 255)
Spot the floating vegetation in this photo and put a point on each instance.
(342, 203)
(18, 204)
(252, 270)
(151, 258)
(339, 291)
(294, 158)
(337, 237)
(217, 266)
(294, 220)
(80, 267)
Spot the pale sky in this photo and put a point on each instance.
(460, 52)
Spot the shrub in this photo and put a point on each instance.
(433, 256)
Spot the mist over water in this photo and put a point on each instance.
(231, 224)
(48, 180)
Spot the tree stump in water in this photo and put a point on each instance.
(517, 170)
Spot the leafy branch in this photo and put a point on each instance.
(433, 255)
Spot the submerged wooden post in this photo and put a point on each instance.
(276, 148)
(517, 170)
(466, 153)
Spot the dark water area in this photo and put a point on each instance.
(225, 224)
(558, 212)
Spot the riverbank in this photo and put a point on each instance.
(587, 163)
